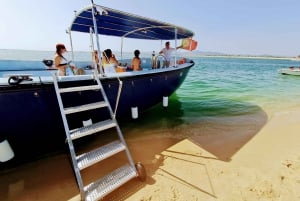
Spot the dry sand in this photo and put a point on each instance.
(262, 163)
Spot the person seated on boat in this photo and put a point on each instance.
(96, 59)
(110, 59)
(60, 62)
(136, 61)
(167, 52)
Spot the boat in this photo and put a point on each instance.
(290, 71)
(31, 122)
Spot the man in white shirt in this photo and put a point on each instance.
(167, 52)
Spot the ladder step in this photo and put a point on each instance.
(91, 129)
(86, 107)
(80, 88)
(87, 159)
(110, 182)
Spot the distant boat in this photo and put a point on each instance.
(290, 71)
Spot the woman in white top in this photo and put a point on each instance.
(60, 62)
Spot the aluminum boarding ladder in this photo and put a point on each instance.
(101, 187)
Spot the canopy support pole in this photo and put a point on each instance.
(93, 55)
(91, 39)
(97, 37)
(122, 39)
(71, 43)
(175, 47)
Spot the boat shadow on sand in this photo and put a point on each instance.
(218, 127)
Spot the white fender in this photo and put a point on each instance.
(165, 101)
(6, 152)
(134, 112)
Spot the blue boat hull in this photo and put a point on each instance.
(31, 120)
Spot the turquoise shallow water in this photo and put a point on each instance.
(235, 86)
(224, 95)
(221, 86)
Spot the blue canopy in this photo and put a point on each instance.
(117, 23)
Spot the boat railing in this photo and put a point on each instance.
(157, 63)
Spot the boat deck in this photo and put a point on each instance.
(44, 76)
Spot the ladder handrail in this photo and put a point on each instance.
(118, 97)
(112, 116)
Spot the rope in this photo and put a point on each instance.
(118, 96)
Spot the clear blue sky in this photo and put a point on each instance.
(233, 26)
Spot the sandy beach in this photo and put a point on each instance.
(247, 163)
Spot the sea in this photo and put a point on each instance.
(220, 95)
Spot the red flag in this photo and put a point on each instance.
(189, 44)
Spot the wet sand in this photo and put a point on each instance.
(227, 160)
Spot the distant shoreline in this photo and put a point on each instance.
(246, 57)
